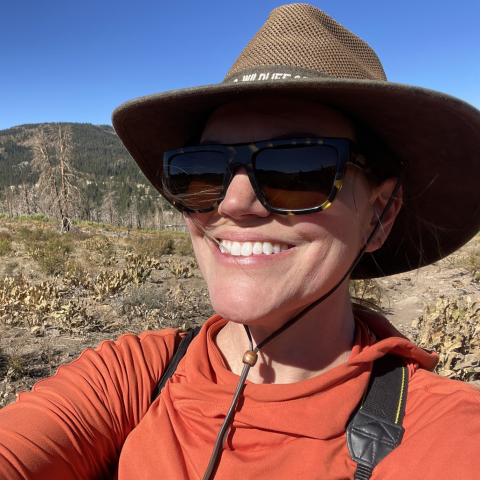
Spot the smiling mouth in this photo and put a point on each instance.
(246, 249)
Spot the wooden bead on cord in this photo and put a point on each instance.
(250, 358)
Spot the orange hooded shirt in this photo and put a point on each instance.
(94, 420)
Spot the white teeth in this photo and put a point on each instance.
(245, 249)
(267, 248)
(236, 249)
(257, 248)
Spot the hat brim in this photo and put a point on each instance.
(436, 134)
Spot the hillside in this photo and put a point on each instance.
(103, 165)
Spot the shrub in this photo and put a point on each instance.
(15, 367)
(10, 267)
(471, 262)
(28, 236)
(73, 272)
(61, 244)
(51, 255)
(99, 244)
(184, 247)
(78, 236)
(160, 244)
(141, 295)
(51, 265)
(40, 217)
(5, 244)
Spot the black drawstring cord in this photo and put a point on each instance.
(250, 357)
(349, 271)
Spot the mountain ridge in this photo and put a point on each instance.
(102, 162)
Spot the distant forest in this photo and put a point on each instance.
(110, 187)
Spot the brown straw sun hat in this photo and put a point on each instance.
(302, 52)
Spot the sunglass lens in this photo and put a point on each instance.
(296, 178)
(195, 179)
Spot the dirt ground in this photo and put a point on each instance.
(173, 295)
(405, 295)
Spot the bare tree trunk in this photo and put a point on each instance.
(62, 148)
(108, 207)
(58, 194)
(42, 161)
(26, 198)
(8, 200)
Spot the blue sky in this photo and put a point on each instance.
(76, 61)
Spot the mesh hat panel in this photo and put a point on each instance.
(303, 36)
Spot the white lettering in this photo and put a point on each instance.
(250, 78)
(265, 76)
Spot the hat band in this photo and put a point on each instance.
(272, 73)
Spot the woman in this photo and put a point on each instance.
(310, 196)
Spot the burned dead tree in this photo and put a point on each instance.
(59, 197)
(109, 209)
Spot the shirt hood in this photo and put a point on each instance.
(283, 411)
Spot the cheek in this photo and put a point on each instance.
(358, 210)
(343, 223)
(196, 226)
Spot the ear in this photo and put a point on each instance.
(379, 199)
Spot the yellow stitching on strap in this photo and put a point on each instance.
(401, 394)
(364, 395)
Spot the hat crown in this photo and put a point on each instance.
(300, 35)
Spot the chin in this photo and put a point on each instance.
(235, 308)
(250, 307)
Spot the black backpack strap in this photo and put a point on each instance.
(376, 427)
(177, 356)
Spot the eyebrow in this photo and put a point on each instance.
(282, 136)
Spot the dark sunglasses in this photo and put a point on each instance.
(289, 177)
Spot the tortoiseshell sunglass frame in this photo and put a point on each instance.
(243, 154)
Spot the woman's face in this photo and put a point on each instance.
(317, 248)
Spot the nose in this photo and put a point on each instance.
(240, 199)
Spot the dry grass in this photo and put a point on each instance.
(176, 307)
(155, 246)
(60, 294)
(184, 247)
(73, 281)
(366, 292)
(5, 244)
(49, 250)
(471, 262)
(15, 367)
(12, 369)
